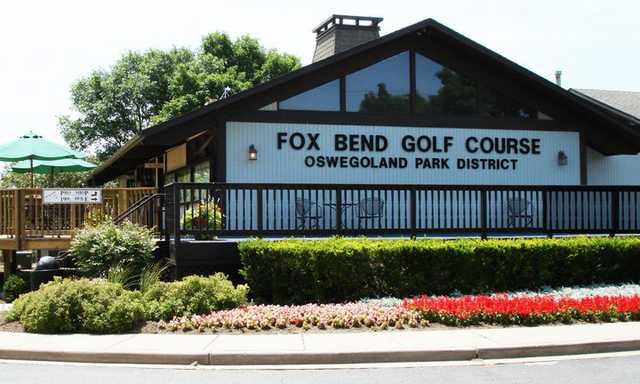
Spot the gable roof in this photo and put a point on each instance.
(154, 140)
(625, 102)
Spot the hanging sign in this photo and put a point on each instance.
(72, 196)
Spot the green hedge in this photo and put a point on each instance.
(333, 270)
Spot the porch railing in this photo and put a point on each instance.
(24, 216)
(314, 210)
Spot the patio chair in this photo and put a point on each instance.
(370, 208)
(518, 212)
(307, 212)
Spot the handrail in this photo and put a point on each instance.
(137, 205)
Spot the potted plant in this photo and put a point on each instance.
(203, 218)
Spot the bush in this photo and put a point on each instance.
(96, 249)
(333, 270)
(13, 287)
(192, 296)
(83, 305)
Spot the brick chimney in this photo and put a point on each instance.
(340, 32)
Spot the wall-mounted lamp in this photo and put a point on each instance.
(253, 152)
(562, 158)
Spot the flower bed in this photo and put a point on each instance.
(266, 317)
(598, 303)
(524, 310)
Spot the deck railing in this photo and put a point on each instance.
(24, 216)
(320, 210)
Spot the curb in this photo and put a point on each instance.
(356, 357)
(559, 349)
(104, 357)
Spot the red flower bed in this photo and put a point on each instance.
(503, 309)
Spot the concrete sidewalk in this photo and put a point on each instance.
(324, 348)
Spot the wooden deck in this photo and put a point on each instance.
(28, 224)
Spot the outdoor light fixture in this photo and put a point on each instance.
(253, 152)
(562, 158)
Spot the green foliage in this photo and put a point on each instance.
(300, 271)
(14, 286)
(203, 216)
(193, 295)
(96, 249)
(147, 88)
(10, 179)
(383, 101)
(67, 305)
(122, 274)
(151, 275)
(96, 217)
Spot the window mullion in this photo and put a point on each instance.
(412, 80)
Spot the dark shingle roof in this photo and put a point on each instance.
(624, 101)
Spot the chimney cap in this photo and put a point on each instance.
(357, 21)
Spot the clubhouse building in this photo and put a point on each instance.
(418, 132)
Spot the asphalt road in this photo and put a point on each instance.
(613, 368)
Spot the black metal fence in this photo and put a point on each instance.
(207, 210)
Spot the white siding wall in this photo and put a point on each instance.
(287, 165)
(612, 170)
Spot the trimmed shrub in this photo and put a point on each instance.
(335, 270)
(13, 287)
(96, 249)
(193, 295)
(82, 305)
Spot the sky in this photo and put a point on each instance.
(47, 45)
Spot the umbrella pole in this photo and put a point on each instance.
(31, 167)
(51, 178)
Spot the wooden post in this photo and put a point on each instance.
(123, 202)
(72, 218)
(18, 218)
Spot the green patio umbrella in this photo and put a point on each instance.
(51, 167)
(35, 147)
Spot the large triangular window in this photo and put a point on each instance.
(386, 87)
(382, 87)
(442, 91)
(323, 98)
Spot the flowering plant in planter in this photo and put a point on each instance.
(203, 217)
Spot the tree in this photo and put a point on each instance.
(383, 101)
(10, 179)
(142, 89)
